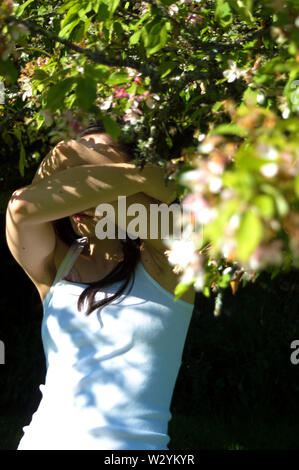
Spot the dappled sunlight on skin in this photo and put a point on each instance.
(107, 150)
(51, 191)
(90, 149)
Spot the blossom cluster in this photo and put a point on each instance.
(209, 197)
(133, 101)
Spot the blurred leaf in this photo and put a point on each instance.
(135, 37)
(86, 92)
(103, 12)
(180, 289)
(266, 205)
(111, 127)
(223, 13)
(280, 201)
(58, 92)
(112, 5)
(243, 9)
(230, 129)
(116, 78)
(249, 235)
(21, 8)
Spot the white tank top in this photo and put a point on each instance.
(110, 375)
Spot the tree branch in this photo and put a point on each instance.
(96, 56)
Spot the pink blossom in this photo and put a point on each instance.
(76, 126)
(132, 115)
(121, 93)
(193, 18)
(200, 208)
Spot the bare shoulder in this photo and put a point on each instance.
(156, 264)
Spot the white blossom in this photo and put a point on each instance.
(269, 170)
(268, 152)
(173, 8)
(107, 103)
(233, 72)
(26, 88)
(260, 98)
(215, 184)
(181, 252)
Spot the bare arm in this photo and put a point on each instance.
(73, 153)
(79, 188)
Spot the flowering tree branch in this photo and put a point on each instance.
(96, 56)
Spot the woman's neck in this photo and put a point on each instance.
(106, 250)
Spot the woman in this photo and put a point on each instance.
(113, 349)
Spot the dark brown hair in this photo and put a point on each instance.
(124, 270)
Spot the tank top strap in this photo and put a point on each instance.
(70, 258)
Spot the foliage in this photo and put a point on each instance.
(224, 73)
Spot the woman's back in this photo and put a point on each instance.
(110, 375)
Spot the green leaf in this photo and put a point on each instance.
(135, 37)
(154, 36)
(223, 13)
(112, 5)
(281, 203)
(21, 8)
(71, 15)
(206, 291)
(40, 75)
(100, 73)
(180, 289)
(103, 12)
(58, 92)
(265, 205)
(67, 30)
(217, 105)
(230, 129)
(224, 280)
(86, 92)
(142, 19)
(111, 127)
(117, 78)
(243, 9)
(249, 235)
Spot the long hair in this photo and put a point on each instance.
(124, 270)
